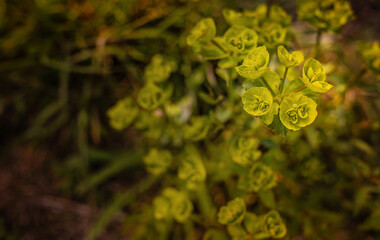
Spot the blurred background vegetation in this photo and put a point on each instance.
(66, 174)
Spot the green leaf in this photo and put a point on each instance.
(273, 79)
(313, 76)
(252, 223)
(254, 64)
(210, 51)
(267, 198)
(277, 126)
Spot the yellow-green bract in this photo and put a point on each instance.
(159, 69)
(233, 212)
(371, 56)
(202, 33)
(273, 34)
(191, 169)
(151, 96)
(289, 59)
(172, 204)
(240, 39)
(261, 177)
(157, 161)
(197, 129)
(244, 151)
(326, 15)
(123, 113)
(297, 110)
(313, 76)
(273, 225)
(254, 64)
(257, 101)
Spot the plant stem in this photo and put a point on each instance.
(267, 85)
(205, 202)
(317, 43)
(283, 81)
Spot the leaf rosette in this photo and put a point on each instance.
(244, 151)
(254, 64)
(240, 39)
(157, 161)
(289, 59)
(192, 169)
(314, 76)
(297, 110)
(233, 212)
(273, 225)
(202, 33)
(123, 113)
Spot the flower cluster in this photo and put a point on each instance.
(172, 203)
(326, 15)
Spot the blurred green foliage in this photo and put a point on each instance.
(145, 117)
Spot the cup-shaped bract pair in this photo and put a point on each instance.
(371, 56)
(192, 169)
(273, 225)
(273, 34)
(297, 110)
(159, 69)
(258, 101)
(244, 151)
(123, 113)
(152, 96)
(289, 59)
(202, 33)
(326, 15)
(157, 161)
(172, 204)
(233, 212)
(254, 64)
(260, 177)
(240, 39)
(197, 129)
(314, 76)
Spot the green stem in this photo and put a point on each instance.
(205, 202)
(267, 85)
(317, 43)
(283, 80)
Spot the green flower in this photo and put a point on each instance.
(197, 129)
(151, 96)
(371, 56)
(233, 212)
(326, 15)
(180, 205)
(161, 208)
(257, 101)
(192, 169)
(254, 64)
(289, 59)
(244, 151)
(123, 113)
(313, 76)
(272, 224)
(273, 34)
(172, 204)
(157, 161)
(240, 39)
(297, 110)
(261, 177)
(159, 69)
(278, 14)
(202, 32)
